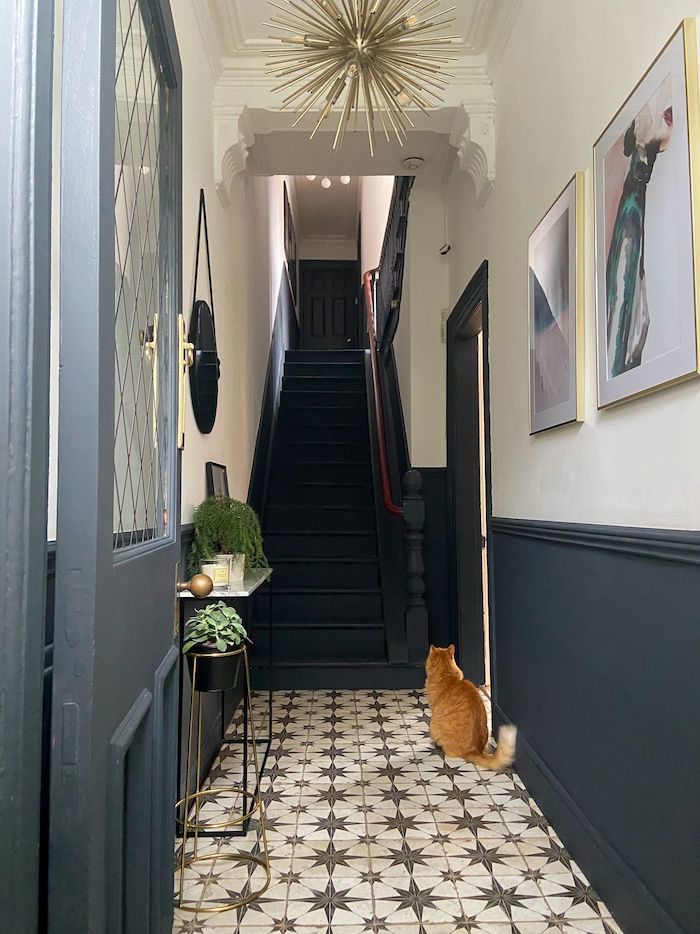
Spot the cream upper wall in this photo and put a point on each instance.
(247, 252)
(421, 354)
(566, 70)
(375, 200)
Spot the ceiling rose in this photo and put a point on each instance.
(380, 56)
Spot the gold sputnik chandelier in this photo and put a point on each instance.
(380, 56)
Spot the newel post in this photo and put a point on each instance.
(416, 612)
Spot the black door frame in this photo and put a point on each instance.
(349, 264)
(26, 49)
(463, 475)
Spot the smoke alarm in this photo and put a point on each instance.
(413, 163)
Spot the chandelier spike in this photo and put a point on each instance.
(385, 57)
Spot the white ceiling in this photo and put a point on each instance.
(479, 23)
(284, 152)
(326, 212)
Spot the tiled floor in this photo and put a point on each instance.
(372, 831)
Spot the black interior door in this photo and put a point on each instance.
(468, 471)
(329, 305)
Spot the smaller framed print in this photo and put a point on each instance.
(646, 216)
(556, 311)
(217, 479)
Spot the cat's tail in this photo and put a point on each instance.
(504, 754)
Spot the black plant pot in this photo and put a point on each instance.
(215, 672)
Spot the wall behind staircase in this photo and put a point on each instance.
(247, 252)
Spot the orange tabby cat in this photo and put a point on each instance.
(458, 723)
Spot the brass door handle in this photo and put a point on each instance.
(184, 361)
(201, 585)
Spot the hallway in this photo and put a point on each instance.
(371, 830)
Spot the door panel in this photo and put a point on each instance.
(329, 305)
(118, 480)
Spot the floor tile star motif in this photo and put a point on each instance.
(372, 831)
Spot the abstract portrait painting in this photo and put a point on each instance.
(645, 230)
(556, 312)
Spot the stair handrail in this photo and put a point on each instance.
(368, 281)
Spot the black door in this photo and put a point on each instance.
(329, 305)
(469, 475)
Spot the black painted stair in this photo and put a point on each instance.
(320, 527)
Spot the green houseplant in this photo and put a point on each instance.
(214, 630)
(226, 526)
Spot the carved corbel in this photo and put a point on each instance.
(474, 137)
(234, 136)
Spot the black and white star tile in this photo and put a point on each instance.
(372, 831)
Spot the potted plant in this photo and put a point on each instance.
(226, 527)
(212, 633)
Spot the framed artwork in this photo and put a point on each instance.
(290, 245)
(217, 479)
(556, 311)
(646, 188)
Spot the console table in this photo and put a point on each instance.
(244, 589)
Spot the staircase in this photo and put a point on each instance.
(319, 524)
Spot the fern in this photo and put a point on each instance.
(225, 525)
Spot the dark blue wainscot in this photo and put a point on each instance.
(597, 652)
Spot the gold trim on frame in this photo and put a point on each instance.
(579, 181)
(692, 101)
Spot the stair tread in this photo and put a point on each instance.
(323, 483)
(338, 624)
(325, 591)
(272, 531)
(322, 560)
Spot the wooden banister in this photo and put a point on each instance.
(394, 508)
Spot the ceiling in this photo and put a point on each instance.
(480, 23)
(328, 213)
(280, 151)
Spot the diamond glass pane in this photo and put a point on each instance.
(143, 404)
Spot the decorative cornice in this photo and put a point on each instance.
(474, 137)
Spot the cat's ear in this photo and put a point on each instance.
(432, 649)
(451, 650)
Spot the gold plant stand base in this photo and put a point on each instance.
(193, 826)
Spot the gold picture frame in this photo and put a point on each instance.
(556, 311)
(647, 245)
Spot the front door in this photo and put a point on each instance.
(329, 306)
(114, 729)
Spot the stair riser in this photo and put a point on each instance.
(322, 384)
(297, 494)
(323, 644)
(331, 400)
(325, 356)
(348, 370)
(308, 434)
(287, 545)
(326, 473)
(315, 451)
(319, 606)
(321, 416)
(310, 519)
(335, 575)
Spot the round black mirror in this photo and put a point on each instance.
(204, 372)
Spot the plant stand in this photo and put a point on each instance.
(248, 588)
(192, 828)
